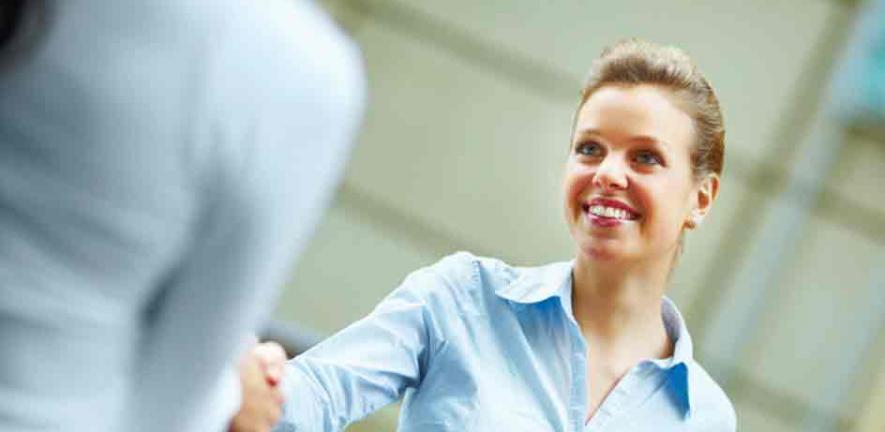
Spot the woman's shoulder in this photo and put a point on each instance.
(476, 272)
(464, 276)
(466, 261)
(464, 271)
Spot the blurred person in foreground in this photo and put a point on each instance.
(475, 344)
(162, 164)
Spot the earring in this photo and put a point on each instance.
(694, 221)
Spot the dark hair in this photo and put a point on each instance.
(24, 25)
(11, 12)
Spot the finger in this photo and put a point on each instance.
(272, 357)
(271, 352)
(278, 396)
(274, 416)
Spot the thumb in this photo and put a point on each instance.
(272, 358)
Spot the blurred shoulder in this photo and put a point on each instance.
(256, 59)
(295, 37)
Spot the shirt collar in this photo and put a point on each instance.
(537, 284)
(677, 331)
(680, 364)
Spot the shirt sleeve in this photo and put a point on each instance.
(368, 364)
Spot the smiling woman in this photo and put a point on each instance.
(589, 344)
(649, 117)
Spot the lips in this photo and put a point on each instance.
(610, 209)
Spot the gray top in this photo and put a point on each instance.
(162, 163)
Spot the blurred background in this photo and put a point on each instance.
(466, 134)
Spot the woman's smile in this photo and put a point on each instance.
(609, 213)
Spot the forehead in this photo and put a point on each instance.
(622, 112)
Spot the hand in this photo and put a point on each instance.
(261, 374)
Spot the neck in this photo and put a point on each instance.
(618, 305)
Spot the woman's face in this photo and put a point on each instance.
(629, 190)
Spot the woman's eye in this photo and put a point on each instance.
(648, 158)
(590, 148)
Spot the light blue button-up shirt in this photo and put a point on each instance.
(474, 344)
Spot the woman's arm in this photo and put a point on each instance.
(368, 364)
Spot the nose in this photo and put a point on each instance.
(610, 175)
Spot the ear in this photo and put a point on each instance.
(705, 195)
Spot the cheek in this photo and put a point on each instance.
(668, 203)
(575, 182)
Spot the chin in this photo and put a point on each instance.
(601, 252)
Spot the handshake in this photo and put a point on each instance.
(262, 369)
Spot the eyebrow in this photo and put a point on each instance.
(642, 139)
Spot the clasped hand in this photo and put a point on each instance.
(262, 370)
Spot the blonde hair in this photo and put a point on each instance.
(635, 62)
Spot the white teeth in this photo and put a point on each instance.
(609, 212)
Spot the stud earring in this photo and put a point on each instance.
(694, 221)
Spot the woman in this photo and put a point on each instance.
(474, 344)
